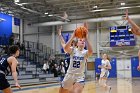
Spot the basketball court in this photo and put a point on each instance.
(37, 26)
(118, 86)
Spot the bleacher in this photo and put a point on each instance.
(28, 75)
(30, 65)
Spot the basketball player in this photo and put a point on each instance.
(75, 75)
(135, 30)
(9, 62)
(105, 67)
(73, 44)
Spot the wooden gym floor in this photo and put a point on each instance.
(118, 86)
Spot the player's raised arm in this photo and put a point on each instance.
(68, 44)
(86, 25)
(135, 28)
(61, 37)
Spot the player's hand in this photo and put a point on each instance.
(126, 17)
(99, 66)
(86, 25)
(138, 68)
(59, 30)
(17, 85)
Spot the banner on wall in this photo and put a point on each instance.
(5, 29)
(17, 21)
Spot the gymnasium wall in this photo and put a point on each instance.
(31, 34)
(45, 35)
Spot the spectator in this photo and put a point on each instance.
(51, 65)
(47, 65)
(55, 70)
(44, 68)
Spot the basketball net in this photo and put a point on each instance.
(122, 43)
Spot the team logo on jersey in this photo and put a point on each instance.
(78, 58)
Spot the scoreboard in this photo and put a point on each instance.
(121, 35)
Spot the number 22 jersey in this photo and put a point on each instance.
(77, 61)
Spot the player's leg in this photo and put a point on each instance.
(62, 90)
(4, 84)
(106, 87)
(79, 84)
(78, 87)
(7, 90)
(103, 82)
(66, 84)
(101, 79)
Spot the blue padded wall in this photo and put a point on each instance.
(5, 28)
(134, 64)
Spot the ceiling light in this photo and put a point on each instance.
(122, 4)
(46, 13)
(98, 10)
(50, 15)
(16, 1)
(123, 7)
(137, 6)
(95, 7)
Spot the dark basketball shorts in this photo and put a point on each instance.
(3, 82)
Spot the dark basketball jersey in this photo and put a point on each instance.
(4, 65)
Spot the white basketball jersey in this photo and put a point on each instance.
(105, 63)
(77, 61)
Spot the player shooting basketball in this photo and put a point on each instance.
(75, 76)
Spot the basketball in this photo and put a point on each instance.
(138, 68)
(81, 32)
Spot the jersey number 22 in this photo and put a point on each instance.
(76, 64)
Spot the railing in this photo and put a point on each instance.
(32, 52)
(36, 53)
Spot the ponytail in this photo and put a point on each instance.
(108, 57)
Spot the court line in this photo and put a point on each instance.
(33, 87)
(40, 87)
